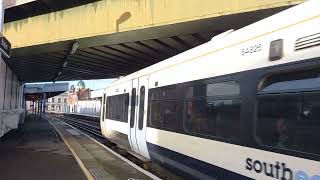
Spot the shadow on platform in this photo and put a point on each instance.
(35, 151)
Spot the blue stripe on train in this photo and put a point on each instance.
(188, 167)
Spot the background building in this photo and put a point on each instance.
(80, 101)
(58, 104)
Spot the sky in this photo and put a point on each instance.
(92, 84)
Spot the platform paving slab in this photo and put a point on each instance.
(36, 152)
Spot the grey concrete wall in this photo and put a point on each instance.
(11, 99)
(3, 67)
(8, 90)
(14, 92)
(19, 99)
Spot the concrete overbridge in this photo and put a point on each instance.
(107, 38)
(34, 92)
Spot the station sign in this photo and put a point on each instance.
(5, 46)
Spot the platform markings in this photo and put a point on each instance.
(73, 132)
(84, 169)
(147, 173)
(98, 173)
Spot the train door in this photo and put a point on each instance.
(103, 112)
(139, 128)
(132, 123)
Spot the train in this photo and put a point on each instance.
(244, 105)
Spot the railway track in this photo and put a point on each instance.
(90, 127)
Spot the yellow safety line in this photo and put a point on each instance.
(84, 169)
(147, 173)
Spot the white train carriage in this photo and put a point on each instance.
(245, 105)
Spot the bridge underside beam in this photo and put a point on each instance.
(107, 17)
(120, 39)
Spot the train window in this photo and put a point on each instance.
(209, 117)
(223, 89)
(133, 107)
(155, 114)
(213, 110)
(292, 82)
(288, 111)
(164, 114)
(126, 107)
(229, 88)
(165, 93)
(141, 107)
(290, 122)
(117, 107)
(202, 109)
(194, 91)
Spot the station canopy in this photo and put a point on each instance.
(34, 92)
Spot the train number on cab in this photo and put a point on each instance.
(251, 49)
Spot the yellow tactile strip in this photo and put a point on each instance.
(96, 161)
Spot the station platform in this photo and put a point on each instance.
(48, 149)
(35, 151)
(96, 160)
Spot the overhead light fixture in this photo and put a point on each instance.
(65, 64)
(74, 48)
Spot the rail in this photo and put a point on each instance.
(90, 127)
